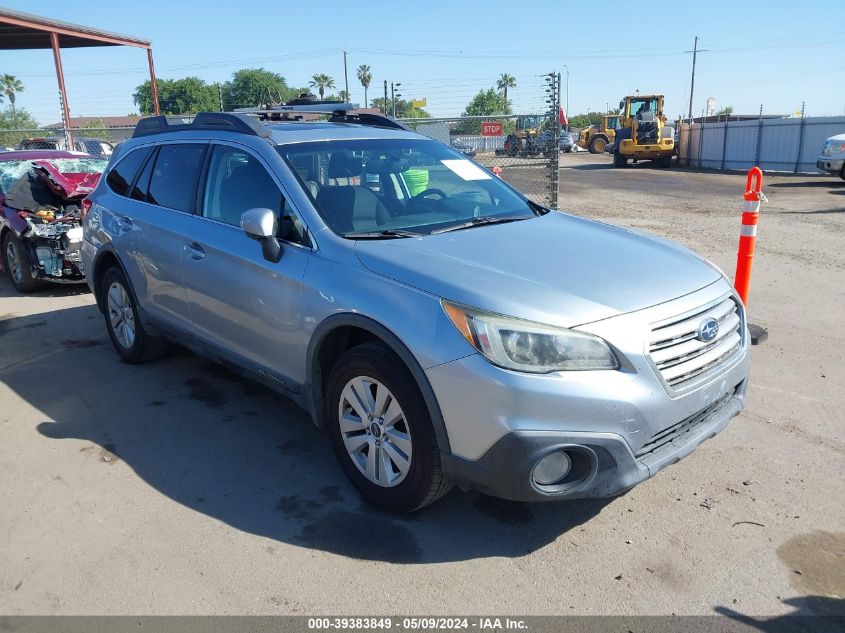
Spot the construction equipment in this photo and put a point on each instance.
(643, 133)
(596, 138)
(523, 141)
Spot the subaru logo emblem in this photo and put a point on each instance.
(707, 330)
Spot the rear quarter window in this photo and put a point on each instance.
(123, 173)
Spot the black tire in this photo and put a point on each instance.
(597, 145)
(424, 482)
(619, 160)
(842, 173)
(664, 161)
(143, 347)
(27, 280)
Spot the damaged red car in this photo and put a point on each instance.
(41, 201)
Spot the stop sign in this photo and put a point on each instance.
(491, 128)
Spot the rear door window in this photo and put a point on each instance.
(174, 178)
(122, 174)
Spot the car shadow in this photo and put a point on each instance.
(236, 452)
(817, 614)
(823, 182)
(49, 290)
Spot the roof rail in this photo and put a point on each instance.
(339, 113)
(221, 121)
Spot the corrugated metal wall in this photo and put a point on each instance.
(784, 144)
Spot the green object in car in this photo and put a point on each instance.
(417, 180)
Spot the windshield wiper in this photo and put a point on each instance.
(477, 222)
(386, 234)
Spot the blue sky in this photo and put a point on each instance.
(776, 53)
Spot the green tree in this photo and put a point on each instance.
(252, 87)
(581, 121)
(404, 109)
(343, 96)
(504, 82)
(10, 86)
(365, 76)
(485, 103)
(178, 96)
(725, 111)
(20, 119)
(321, 81)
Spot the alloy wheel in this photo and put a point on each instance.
(375, 432)
(14, 263)
(121, 316)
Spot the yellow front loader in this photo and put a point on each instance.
(596, 138)
(643, 133)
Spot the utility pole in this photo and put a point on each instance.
(695, 53)
(220, 97)
(385, 96)
(345, 75)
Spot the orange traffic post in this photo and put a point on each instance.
(747, 240)
(748, 232)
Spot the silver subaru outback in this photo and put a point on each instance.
(444, 329)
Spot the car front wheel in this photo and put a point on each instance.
(22, 273)
(381, 430)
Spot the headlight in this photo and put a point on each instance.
(530, 347)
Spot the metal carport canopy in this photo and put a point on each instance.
(22, 31)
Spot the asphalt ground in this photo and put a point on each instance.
(179, 488)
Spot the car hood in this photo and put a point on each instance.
(555, 269)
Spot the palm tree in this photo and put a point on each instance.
(343, 96)
(321, 81)
(365, 77)
(506, 81)
(10, 85)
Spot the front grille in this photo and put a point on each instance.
(681, 356)
(677, 431)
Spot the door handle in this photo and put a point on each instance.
(195, 251)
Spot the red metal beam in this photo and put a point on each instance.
(57, 56)
(153, 86)
(60, 30)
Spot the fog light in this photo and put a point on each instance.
(552, 468)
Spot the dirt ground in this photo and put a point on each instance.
(176, 487)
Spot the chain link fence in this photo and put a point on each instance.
(95, 141)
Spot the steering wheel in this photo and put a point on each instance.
(429, 192)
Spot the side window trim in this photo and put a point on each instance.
(248, 150)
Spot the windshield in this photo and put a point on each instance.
(398, 185)
(12, 170)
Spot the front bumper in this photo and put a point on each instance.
(627, 423)
(505, 470)
(830, 165)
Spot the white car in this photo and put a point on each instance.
(832, 159)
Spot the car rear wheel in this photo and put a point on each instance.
(22, 273)
(381, 431)
(127, 333)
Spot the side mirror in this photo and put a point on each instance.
(622, 106)
(261, 226)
